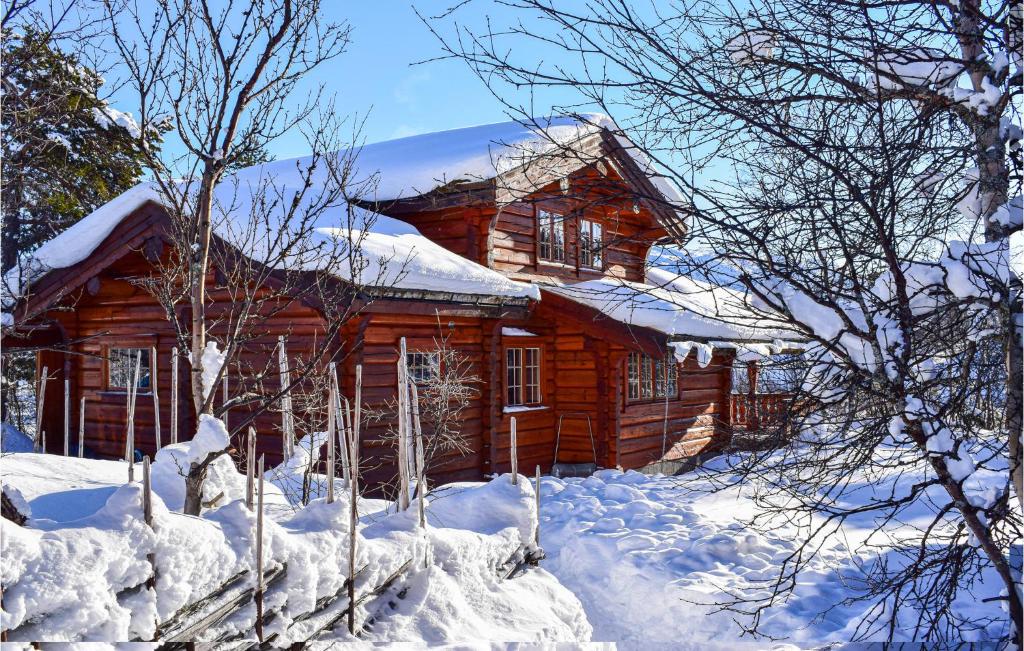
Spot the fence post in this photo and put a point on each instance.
(353, 517)
(224, 395)
(81, 428)
(330, 439)
(287, 427)
(67, 414)
(514, 450)
(403, 430)
(154, 384)
(250, 467)
(40, 443)
(259, 559)
(342, 424)
(129, 445)
(536, 497)
(147, 516)
(174, 395)
(421, 475)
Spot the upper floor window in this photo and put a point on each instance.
(591, 244)
(551, 236)
(423, 367)
(522, 376)
(121, 363)
(648, 378)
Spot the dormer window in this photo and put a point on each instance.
(550, 236)
(591, 244)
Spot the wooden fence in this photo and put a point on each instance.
(760, 410)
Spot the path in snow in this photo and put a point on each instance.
(648, 557)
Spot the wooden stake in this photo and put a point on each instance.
(342, 422)
(250, 467)
(330, 438)
(287, 425)
(536, 497)
(259, 558)
(133, 390)
(174, 395)
(67, 415)
(421, 475)
(147, 516)
(147, 492)
(154, 386)
(81, 428)
(346, 437)
(40, 440)
(403, 429)
(224, 395)
(353, 519)
(514, 449)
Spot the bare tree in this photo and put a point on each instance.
(224, 77)
(854, 168)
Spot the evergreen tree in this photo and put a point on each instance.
(65, 150)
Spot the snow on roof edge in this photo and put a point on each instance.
(439, 275)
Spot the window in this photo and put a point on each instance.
(551, 236)
(591, 244)
(648, 378)
(423, 367)
(121, 366)
(522, 376)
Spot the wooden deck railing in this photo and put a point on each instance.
(761, 410)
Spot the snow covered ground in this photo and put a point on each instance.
(77, 572)
(633, 562)
(650, 556)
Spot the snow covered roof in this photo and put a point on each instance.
(392, 254)
(676, 306)
(415, 165)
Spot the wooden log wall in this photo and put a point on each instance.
(697, 420)
(117, 313)
(378, 335)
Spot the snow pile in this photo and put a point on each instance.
(460, 600)
(653, 557)
(486, 508)
(83, 578)
(171, 466)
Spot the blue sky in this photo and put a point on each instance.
(378, 74)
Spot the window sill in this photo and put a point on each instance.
(651, 401)
(518, 409)
(122, 392)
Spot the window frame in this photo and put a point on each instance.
(523, 346)
(556, 219)
(108, 367)
(586, 225)
(642, 373)
(436, 364)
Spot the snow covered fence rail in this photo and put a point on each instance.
(189, 628)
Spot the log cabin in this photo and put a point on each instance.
(526, 248)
